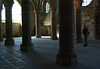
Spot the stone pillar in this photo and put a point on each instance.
(78, 4)
(32, 20)
(1, 35)
(53, 25)
(78, 24)
(97, 20)
(66, 55)
(44, 7)
(37, 24)
(53, 22)
(9, 33)
(74, 22)
(26, 26)
(57, 18)
(99, 17)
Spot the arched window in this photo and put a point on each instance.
(47, 7)
(86, 2)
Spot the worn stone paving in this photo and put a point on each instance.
(44, 53)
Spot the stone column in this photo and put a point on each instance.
(66, 55)
(1, 35)
(53, 22)
(44, 7)
(37, 24)
(9, 33)
(57, 18)
(78, 24)
(26, 26)
(99, 17)
(97, 21)
(53, 25)
(32, 19)
(74, 22)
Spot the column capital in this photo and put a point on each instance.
(53, 5)
(78, 3)
(8, 4)
(37, 12)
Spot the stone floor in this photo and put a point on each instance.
(44, 55)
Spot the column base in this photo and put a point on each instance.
(66, 60)
(54, 38)
(26, 47)
(38, 36)
(9, 42)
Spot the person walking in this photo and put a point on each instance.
(85, 33)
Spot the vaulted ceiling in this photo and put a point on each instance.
(37, 2)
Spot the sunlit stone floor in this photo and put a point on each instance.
(44, 53)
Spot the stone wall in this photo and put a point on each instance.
(46, 30)
(16, 29)
(88, 18)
